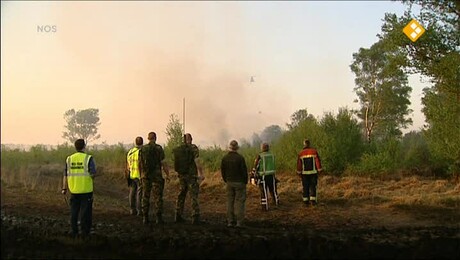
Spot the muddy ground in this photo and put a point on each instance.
(35, 224)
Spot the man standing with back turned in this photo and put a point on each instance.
(308, 167)
(133, 177)
(152, 161)
(264, 170)
(186, 164)
(235, 174)
(78, 177)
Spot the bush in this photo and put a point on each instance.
(380, 158)
(414, 151)
(290, 144)
(344, 143)
(211, 158)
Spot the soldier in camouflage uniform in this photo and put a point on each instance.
(190, 180)
(152, 157)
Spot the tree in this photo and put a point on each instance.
(436, 55)
(344, 144)
(271, 133)
(415, 153)
(291, 142)
(174, 132)
(255, 140)
(299, 116)
(382, 89)
(81, 124)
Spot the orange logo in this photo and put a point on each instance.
(413, 30)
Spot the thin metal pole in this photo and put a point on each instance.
(183, 116)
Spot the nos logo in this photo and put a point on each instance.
(47, 28)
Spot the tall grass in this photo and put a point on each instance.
(42, 169)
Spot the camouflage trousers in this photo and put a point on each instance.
(152, 184)
(188, 182)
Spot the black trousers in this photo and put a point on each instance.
(81, 205)
(309, 183)
(268, 187)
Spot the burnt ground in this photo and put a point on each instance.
(35, 224)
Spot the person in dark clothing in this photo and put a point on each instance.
(308, 168)
(189, 180)
(234, 173)
(153, 161)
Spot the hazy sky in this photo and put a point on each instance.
(136, 61)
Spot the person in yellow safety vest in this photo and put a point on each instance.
(308, 167)
(132, 175)
(264, 171)
(80, 169)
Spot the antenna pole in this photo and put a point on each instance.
(183, 116)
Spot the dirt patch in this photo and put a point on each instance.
(35, 224)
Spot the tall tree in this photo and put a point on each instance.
(255, 140)
(81, 124)
(271, 133)
(298, 116)
(174, 132)
(382, 89)
(436, 55)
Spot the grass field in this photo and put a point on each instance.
(389, 216)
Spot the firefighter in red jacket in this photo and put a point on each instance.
(308, 167)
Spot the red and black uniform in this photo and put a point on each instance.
(308, 166)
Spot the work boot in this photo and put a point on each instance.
(179, 218)
(196, 220)
(313, 203)
(307, 203)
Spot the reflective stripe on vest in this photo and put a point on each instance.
(78, 176)
(309, 162)
(266, 164)
(133, 163)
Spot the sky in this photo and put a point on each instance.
(137, 61)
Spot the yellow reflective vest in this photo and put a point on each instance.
(78, 177)
(133, 163)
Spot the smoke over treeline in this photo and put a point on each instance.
(145, 58)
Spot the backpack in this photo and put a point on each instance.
(149, 157)
(183, 159)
